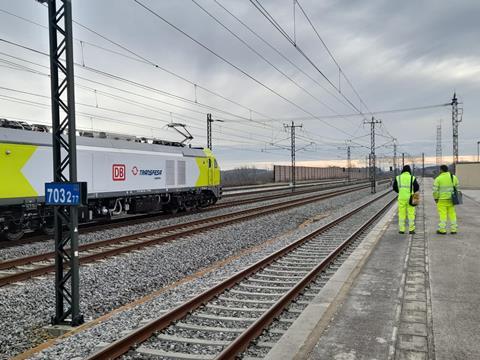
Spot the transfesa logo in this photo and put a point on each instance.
(147, 172)
(118, 172)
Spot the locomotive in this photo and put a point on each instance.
(124, 175)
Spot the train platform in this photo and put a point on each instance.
(399, 296)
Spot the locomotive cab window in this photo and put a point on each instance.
(215, 163)
(209, 163)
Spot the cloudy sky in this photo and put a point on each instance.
(136, 72)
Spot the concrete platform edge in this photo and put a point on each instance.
(302, 336)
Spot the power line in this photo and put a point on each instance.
(125, 113)
(138, 103)
(333, 58)
(232, 64)
(270, 18)
(379, 112)
(23, 18)
(106, 74)
(143, 59)
(131, 82)
(260, 55)
(253, 32)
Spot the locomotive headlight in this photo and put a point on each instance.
(7, 152)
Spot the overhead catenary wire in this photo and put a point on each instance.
(341, 71)
(190, 110)
(143, 59)
(103, 84)
(375, 112)
(117, 121)
(132, 59)
(136, 115)
(91, 116)
(282, 119)
(261, 56)
(130, 82)
(281, 54)
(277, 26)
(138, 57)
(239, 69)
(143, 96)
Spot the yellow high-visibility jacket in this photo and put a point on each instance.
(405, 185)
(443, 186)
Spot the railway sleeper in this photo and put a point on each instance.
(270, 276)
(227, 308)
(152, 353)
(261, 287)
(262, 281)
(202, 316)
(281, 271)
(267, 302)
(34, 215)
(252, 294)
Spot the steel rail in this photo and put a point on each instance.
(141, 218)
(283, 194)
(301, 188)
(153, 237)
(283, 187)
(124, 344)
(242, 342)
(280, 184)
(45, 256)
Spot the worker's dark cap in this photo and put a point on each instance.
(444, 168)
(406, 168)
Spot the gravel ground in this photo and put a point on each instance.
(120, 280)
(328, 241)
(46, 246)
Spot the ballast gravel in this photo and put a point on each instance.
(48, 245)
(110, 284)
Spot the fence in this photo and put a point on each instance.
(282, 173)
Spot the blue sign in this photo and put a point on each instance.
(62, 193)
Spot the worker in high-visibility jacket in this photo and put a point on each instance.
(442, 193)
(405, 185)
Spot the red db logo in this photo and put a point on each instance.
(118, 172)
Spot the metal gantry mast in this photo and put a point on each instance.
(456, 118)
(372, 164)
(395, 157)
(209, 131)
(291, 127)
(423, 165)
(349, 163)
(67, 282)
(210, 120)
(349, 147)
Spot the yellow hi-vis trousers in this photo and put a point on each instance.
(406, 210)
(446, 209)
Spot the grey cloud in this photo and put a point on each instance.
(397, 54)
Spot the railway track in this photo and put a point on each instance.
(259, 190)
(20, 269)
(139, 219)
(223, 321)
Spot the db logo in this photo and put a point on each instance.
(118, 172)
